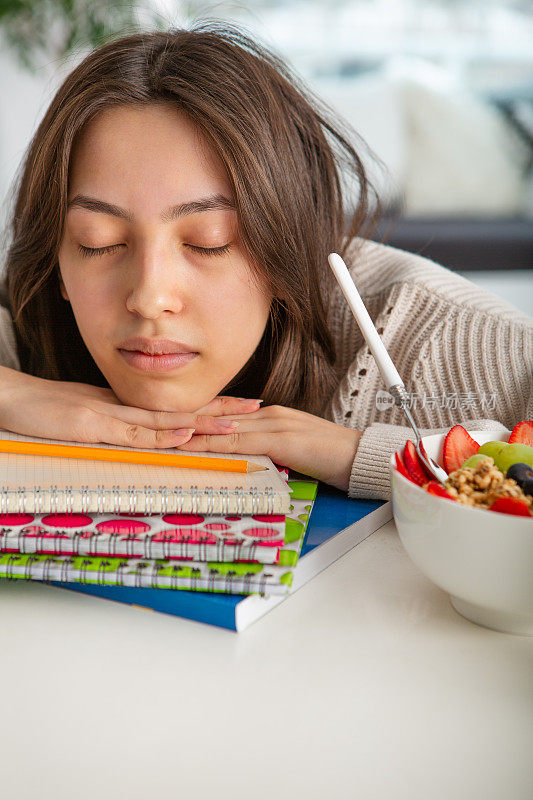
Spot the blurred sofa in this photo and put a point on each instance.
(453, 168)
(464, 244)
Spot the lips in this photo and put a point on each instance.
(157, 363)
(155, 347)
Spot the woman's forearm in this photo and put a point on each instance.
(9, 378)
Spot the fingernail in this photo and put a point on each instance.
(184, 432)
(248, 400)
(227, 423)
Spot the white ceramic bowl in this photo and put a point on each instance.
(483, 559)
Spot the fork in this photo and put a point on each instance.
(385, 364)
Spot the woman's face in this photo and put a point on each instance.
(144, 183)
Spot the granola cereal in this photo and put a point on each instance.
(481, 485)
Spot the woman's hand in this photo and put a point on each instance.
(291, 438)
(79, 412)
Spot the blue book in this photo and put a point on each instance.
(337, 524)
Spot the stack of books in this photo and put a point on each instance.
(104, 528)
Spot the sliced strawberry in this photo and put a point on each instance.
(522, 433)
(458, 446)
(400, 466)
(511, 505)
(416, 469)
(438, 489)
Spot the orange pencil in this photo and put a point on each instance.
(128, 456)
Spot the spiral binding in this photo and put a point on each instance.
(144, 574)
(111, 500)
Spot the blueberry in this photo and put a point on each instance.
(521, 473)
(527, 486)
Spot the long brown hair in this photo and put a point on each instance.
(285, 152)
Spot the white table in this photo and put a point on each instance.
(365, 684)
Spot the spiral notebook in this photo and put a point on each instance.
(187, 537)
(165, 573)
(262, 538)
(45, 484)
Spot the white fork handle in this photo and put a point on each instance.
(388, 371)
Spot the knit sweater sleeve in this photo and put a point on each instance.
(472, 362)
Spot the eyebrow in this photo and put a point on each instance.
(211, 203)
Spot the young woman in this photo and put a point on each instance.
(180, 197)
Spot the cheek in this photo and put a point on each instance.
(236, 316)
(92, 305)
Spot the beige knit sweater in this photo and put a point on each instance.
(465, 355)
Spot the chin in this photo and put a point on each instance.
(160, 398)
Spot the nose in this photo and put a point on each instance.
(156, 284)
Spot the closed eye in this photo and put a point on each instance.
(210, 251)
(97, 251)
(100, 251)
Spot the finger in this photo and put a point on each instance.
(249, 423)
(224, 404)
(251, 443)
(283, 418)
(270, 412)
(110, 430)
(166, 420)
(249, 415)
(275, 420)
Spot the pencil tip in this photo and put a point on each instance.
(255, 467)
